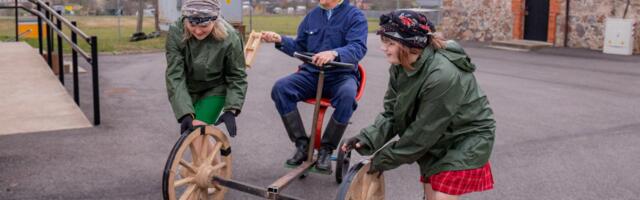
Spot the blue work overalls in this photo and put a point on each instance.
(342, 29)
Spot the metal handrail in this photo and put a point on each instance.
(47, 15)
(59, 17)
(60, 33)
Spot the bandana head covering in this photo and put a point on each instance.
(201, 12)
(410, 28)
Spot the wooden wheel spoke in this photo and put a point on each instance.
(183, 181)
(188, 166)
(194, 154)
(187, 193)
(217, 188)
(186, 170)
(219, 166)
(216, 150)
(212, 190)
(203, 147)
(204, 194)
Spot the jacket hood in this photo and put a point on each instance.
(455, 53)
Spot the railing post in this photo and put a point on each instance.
(74, 65)
(39, 29)
(94, 72)
(60, 51)
(17, 32)
(49, 40)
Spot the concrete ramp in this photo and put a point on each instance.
(31, 96)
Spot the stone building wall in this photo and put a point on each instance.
(587, 22)
(481, 20)
(488, 20)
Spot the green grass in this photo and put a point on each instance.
(106, 29)
(287, 25)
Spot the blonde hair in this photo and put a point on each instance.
(438, 41)
(218, 33)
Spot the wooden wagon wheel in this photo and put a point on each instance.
(358, 185)
(194, 160)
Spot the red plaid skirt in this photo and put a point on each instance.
(462, 181)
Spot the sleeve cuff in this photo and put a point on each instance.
(366, 145)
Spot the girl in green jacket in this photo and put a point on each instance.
(205, 67)
(435, 106)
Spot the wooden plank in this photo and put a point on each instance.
(251, 48)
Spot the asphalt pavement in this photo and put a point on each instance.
(568, 127)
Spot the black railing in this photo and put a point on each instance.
(46, 14)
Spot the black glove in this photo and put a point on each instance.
(351, 143)
(229, 120)
(186, 123)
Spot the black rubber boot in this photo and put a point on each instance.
(299, 156)
(333, 134)
(295, 129)
(330, 140)
(324, 159)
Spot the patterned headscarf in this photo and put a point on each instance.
(201, 12)
(410, 28)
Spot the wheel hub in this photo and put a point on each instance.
(205, 175)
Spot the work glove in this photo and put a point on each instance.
(351, 144)
(186, 123)
(229, 120)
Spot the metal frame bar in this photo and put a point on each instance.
(316, 111)
(45, 13)
(251, 189)
(39, 8)
(17, 32)
(74, 65)
(95, 81)
(58, 16)
(60, 53)
(49, 34)
(284, 181)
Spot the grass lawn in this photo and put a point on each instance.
(106, 28)
(287, 24)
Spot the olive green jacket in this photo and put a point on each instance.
(441, 116)
(201, 68)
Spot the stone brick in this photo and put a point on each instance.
(503, 19)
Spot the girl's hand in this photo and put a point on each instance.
(198, 123)
(351, 143)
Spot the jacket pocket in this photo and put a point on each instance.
(313, 37)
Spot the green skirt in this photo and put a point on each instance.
(208, 109)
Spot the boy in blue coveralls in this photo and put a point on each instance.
(334, 31)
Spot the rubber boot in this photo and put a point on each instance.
(295, 129)
(330, 140)
(324, 160)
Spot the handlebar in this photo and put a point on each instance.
(307, 58)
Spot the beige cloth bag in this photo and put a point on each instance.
(366, 186)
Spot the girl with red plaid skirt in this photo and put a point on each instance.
(435, 106)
